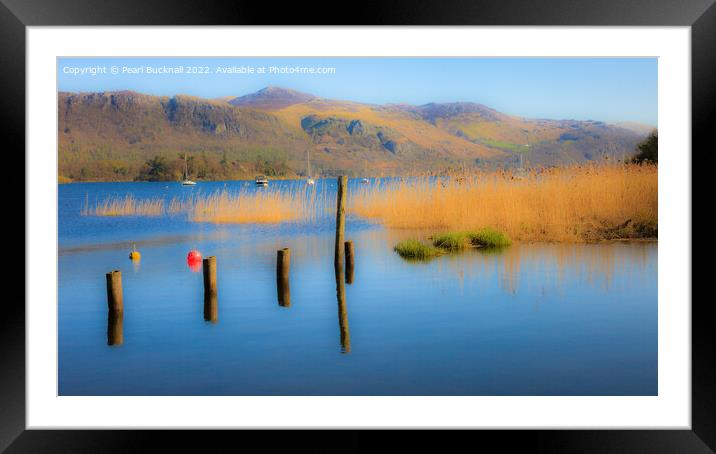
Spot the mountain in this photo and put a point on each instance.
(127, 135)
(635, 127)
(271, 98)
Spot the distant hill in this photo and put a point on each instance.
(112, 135)
(271, 98)
(635, 127)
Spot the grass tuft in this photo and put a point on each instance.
(453, 241)
(414, 249)
(489, 238)
(485, 238)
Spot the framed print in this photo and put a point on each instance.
(448, 217)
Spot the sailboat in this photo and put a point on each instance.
(187, 181)
(309, 181)
(365, 180)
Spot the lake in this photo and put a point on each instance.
(534, 319)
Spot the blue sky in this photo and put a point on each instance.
(606, 89)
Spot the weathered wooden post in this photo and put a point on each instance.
(340, 221)
(211, 300)
(114, 291)
(349, 261)
(338, 263)
(115, 308)
(343, 313)
(209, 268)
(283, 265)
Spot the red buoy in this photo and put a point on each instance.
(193, 259)
(193, 256)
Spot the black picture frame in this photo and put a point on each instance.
(16, 15)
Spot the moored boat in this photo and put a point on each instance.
(310, 180)
(186, 181)
(365, 180)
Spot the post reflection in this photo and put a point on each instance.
(343, 312)
(211, 307)
(350, 261)
(283, 288)
(115, 331)
(284, 292)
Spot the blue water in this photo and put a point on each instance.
(535, 319)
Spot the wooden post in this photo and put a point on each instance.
(209, 267)
(340, 222)
(340, 273)
(115, 308)
(283, 265)
(115, 302)
(349, 261)
(211, 300)
(115, 322)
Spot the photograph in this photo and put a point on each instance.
(357, 226)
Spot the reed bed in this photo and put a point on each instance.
(268, 206)
(571, 204)
(126, 206)
(260, 207)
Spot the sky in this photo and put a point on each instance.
(604, 89)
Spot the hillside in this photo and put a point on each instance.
(113, 135)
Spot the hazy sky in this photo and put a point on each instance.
(606, 89)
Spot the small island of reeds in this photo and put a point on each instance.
(416, 250)
(447, 242)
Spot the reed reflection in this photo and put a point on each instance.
(540, 267)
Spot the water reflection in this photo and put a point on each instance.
(283, 266)
(343, 312)
(211, 304)
(350, 261)
(284, 290)
(534, 267)
(211, 307)
(115, 331)
(194, 265)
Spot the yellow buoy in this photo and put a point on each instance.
(135, 255)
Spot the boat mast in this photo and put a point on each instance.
(308, 159)
(186, 167)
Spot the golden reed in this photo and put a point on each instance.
(569, 204)
(126, 206)
(261, 207)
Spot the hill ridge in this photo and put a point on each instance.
(111, 135)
